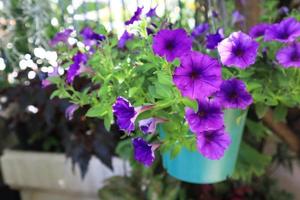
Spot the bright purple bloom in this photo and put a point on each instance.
(287, 30)
(289, 56)
(171, 43)
(61, 37)
(233, 94)
(69, 113)
(212, 144)
(91, 38)
(136, 16)
(148, 126)
(78, 66)
(239, 50)
(208, 117)
(258, 30)
(143, 152)
(237, 17)
(126, 114)
(212, 40)
(124, 38)
(152, 12)
(198, 75)
(200, 30)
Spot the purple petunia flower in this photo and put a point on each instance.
(171, 43)
(152, 12)
(239, 50)
(283, 10)
(212, 40)
(198, 75)
(46, 82)
(212, 144)
(208, 117)
(258, 30)
(126, 114)
(143, 152)
(136, 16)
(237, 17)
(124, 38)
(61, 37)
(78, 66)
(289, 56)
(233, 94)
(148, 126)
(200, 30)
(286, 31)
(69, 113)
(91, 38)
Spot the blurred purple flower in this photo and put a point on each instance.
(69, 113)
(152, 12)
(212, 40)
(124, 38)
(136, 16)
(287, 30)
(289, 56)
(46, 82)
(239, 50)
(258, 30)
(233, 94)
(283, 10)
(90, 38)
(237, 17)
(198, 75)
(200, 30)
(212, 144)
(148, 126)
(208, 117)
(171, 44)
(61, 37)
(143, 152)
(78, 66)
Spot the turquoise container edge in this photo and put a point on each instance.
(192, 167)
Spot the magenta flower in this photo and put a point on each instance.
(61, 37)
(289, 56)
(198, 75)
(126, 114)
(152, 12)
(237, 17)
(124, 38)
(78, 66)
(212, 40)
(239, 50)
(287, 30)
(258, 30)
(136, 16)
(69, 113)
(148, 126)
(171, 44)
(233, 94)
(208, 117)
(212, 144)
(143, 152)
(200, 30)
(91, 38)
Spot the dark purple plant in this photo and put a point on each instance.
(143, 152)
(136, 16)
(61, 37)
(124, 38)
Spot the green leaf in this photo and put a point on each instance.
(97, 111)
(175, 151)
(280, 113)
(257, 129)
(261, 110)
(190, 103)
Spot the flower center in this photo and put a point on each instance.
(201, 113)
(238, 51)
(194, 75)
(170, 45)
(283, 34)
(233, 95)
(295, 56)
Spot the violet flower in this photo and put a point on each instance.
(61, 37)
(289, 56)
(209, 116)
(90, 38)
(200, 30)
(212, 40)
(69, 113)
(46, 82)
(171, 44)
(212, 144)
(148, 126)
(78, 66)
(258, 30)
(124, 38)
(239, 50)
(233, 94)
(126, 114)
(152, 12)
(136, 16)
(198, 75)
(143, 152)
(287, 30)
(237, 17)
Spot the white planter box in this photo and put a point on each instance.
(48, 176)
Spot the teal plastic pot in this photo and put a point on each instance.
(192, 167)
